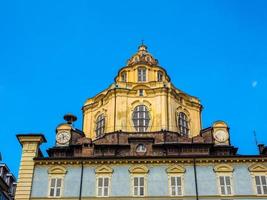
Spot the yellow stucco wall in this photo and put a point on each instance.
(162, 99)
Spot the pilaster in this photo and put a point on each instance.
(30, 148)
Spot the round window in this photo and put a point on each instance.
(141, 148)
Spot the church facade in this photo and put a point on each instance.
(142, 138)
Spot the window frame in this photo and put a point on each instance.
(103, 187)
(160, 76)
(141, 118)
(100, 125)
(261, 185)
(123, 76)
(138, 177)
(257, 169)
(141, 74)
(176, 186)
(56, 172)
(61, 187)
(183, 124)
(225, 185)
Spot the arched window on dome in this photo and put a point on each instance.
(160, 76)
(100, 125)
(141, 74)
(183, 124)
(123, 77)
(141, 118)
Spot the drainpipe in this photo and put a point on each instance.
(195, 173)
(81, 183)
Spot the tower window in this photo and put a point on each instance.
(142, 74)
(183, 124)
(123, 77)
(160, 76)
(141, 118)
(100, 125)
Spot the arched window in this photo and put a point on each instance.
(100, 125)
(141, 74)
(183, 124)
(160, 76)
(141, 118)
(123, 77)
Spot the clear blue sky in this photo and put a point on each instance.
(56, 54)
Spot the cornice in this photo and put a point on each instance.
(150, 160)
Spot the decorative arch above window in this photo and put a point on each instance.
(183, 124)
(103, 169)
(223, 168)
(175, 169)
(258, 168)
(57, 170)
(141, 118)
(139, 169)
(100, 125)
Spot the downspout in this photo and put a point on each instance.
(81, 183)
(195, 173)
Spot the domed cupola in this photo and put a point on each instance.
(142, 57)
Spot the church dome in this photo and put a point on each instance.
(142, 57)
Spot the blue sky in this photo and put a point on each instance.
(56, 54)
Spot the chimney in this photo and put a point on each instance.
(262, 149)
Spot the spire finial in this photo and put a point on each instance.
(142, 47)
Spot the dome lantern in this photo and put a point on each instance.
(142, 57)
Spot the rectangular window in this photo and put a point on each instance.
(176, 186)
(141, 92)
(225, 185)
(261, 184)
(123, 77)
(103, 187)
(139, 186)
(141, 74)
(55, 187)
(160, 76)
